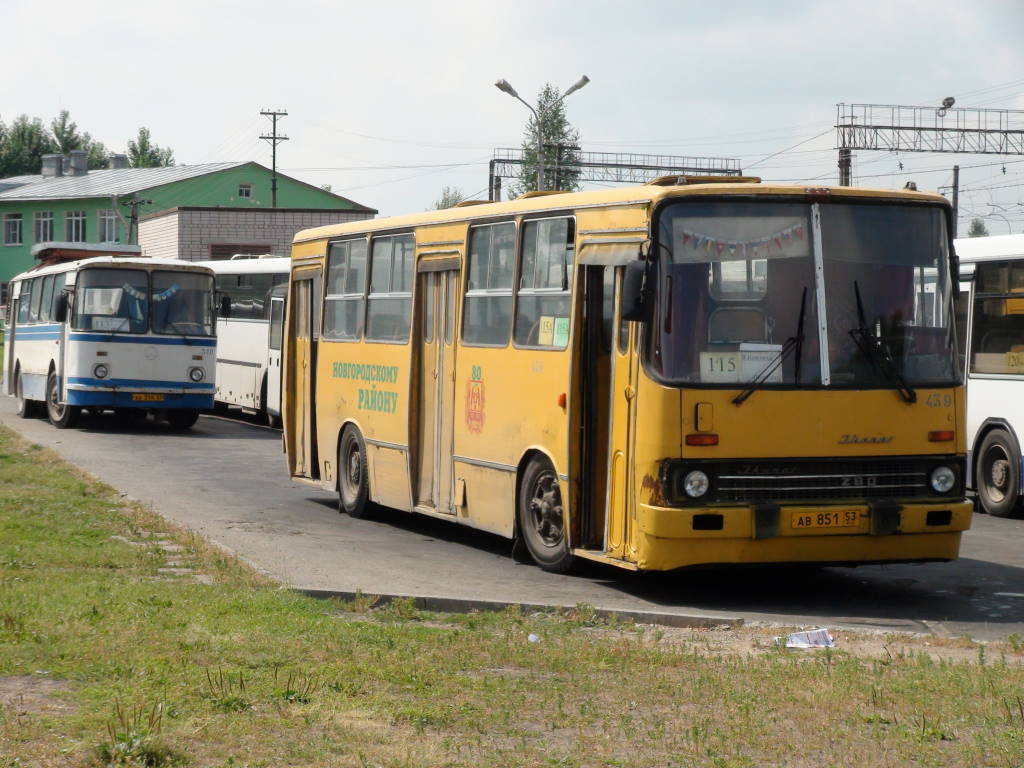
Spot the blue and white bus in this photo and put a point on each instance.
(111, 332)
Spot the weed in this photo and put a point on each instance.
(227, 694)
(400, 609)
(298, 689)
(133, 739)
(1015, 642)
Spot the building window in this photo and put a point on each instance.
(12, 229)
(74, 226)
(107, 226)
(42, 226)
(245, 190)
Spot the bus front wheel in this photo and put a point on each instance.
(26, 408)
(353, 475)
(998, 476)
(182, 418)
(61, 415)
(542, 517)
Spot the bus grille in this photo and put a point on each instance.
(817, 480)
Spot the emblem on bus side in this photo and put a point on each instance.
(475, 401)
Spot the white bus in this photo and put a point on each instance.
(110, 332)
(990, 323)
(250, 319)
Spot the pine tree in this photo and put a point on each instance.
(561, 147)
(978, 229)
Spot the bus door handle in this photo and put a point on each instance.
(629, 392)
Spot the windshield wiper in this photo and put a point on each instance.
(793, 342)
(877, 350)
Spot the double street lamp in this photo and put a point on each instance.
(504, 86)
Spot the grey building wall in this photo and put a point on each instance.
(198, 234)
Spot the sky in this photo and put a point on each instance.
(388, 102)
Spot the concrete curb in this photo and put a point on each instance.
(460, 605)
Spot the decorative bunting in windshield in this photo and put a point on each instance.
(747, 248)
(141, 296)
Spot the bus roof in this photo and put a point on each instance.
(993, 248)
(261, 266)
(116, 261)
(646, 194)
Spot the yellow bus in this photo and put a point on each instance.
(694, 371)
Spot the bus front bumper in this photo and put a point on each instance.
(801, 533)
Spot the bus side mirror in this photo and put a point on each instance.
(60, 313)
(634, 291)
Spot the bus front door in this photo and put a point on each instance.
(273, 401)
(436, 388)
(622, 410)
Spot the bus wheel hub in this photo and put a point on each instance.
(546, 506)
(1000, 472)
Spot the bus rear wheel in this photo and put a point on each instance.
(542, 517)
(62, 416)
(353, 474)
(998, 475)
(26, 409)
(182, 418)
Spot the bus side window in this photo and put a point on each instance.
(345, 293)
(24, 301)
(487, 311)
(46, 304)
(389, 305)
(542, 309)
(37, 295)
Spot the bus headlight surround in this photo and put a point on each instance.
(942, 479)
(100, 371)
(695, 484)
(196, 374)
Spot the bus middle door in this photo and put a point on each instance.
(436, 391)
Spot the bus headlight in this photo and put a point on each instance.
(196, 374)
(100, 371)
(942, 479)
(695, 484)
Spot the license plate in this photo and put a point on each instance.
(148, 398)
(832, 518)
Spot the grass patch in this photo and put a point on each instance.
(147, 665)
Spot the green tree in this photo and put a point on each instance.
(561, 146)
(143, 153)
(66, 136)
(978, 229)
(450, 197)
(23, 145)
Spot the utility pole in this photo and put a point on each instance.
(956, 197)
(274, 139)
(845, 167)
(133, 217)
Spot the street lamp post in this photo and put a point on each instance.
(504, 86)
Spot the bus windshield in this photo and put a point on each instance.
(182, 303)
(112, 301)
(739, 300)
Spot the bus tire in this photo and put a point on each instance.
(542, 517)
(998, 474)
(26, 409)
(274, 420)
(182, 418)
(61, 416)
(353, 474)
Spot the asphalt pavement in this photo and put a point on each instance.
(227, 480)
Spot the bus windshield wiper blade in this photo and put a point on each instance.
(793, 342)
(877, 350)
